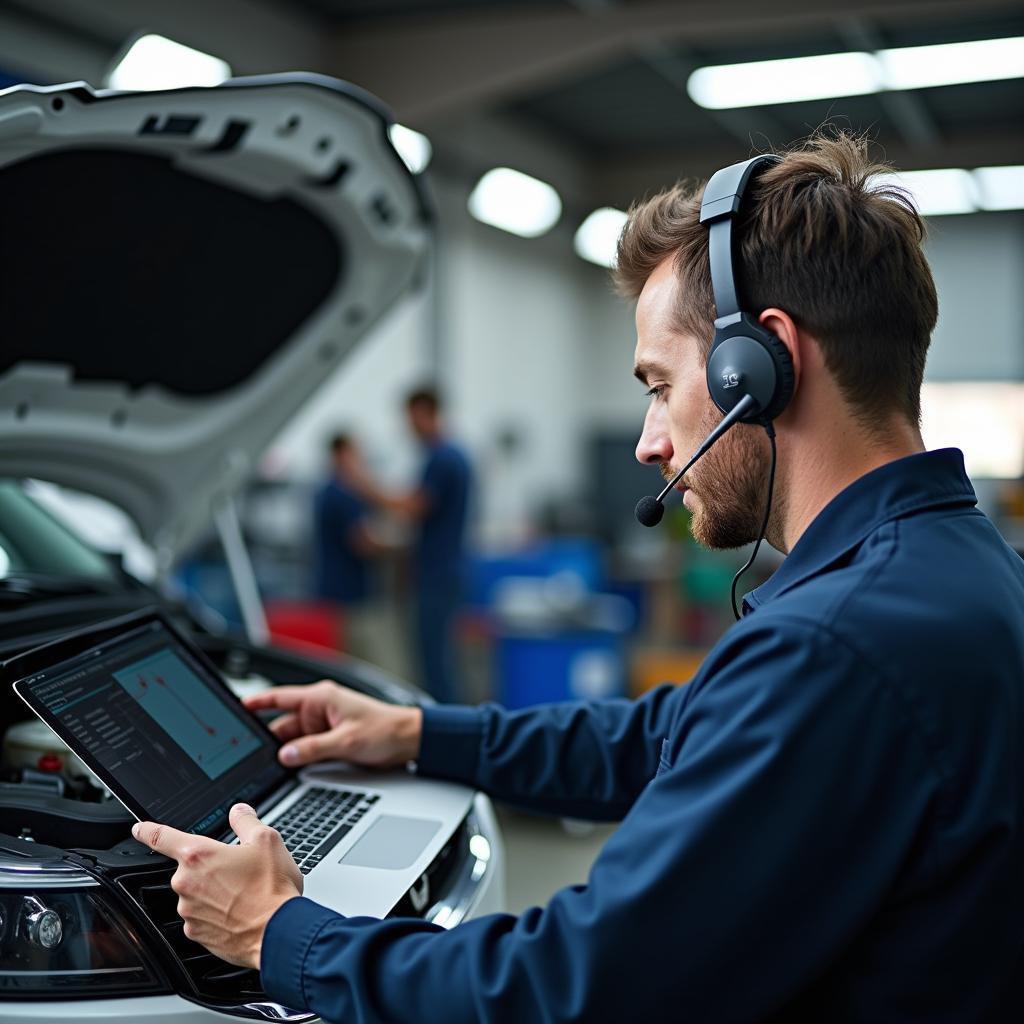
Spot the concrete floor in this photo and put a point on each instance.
(544, 855)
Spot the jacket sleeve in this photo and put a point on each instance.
(780, 816)
(584, 760)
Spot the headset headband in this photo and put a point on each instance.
(719, 206)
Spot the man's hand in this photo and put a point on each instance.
(325, 722)
(227, 894)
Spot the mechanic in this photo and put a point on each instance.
(439, 506)
(827, 822)
(344, 548)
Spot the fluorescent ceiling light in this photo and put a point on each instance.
(1001, 188)
(515, 202)
(984, 419)
(855, 73)
(155, 62)
(413, 147)
(783, 81)
(597, 237)
(924, 67)
(941, 191)
(955, 190)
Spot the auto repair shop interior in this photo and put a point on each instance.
(311, 339)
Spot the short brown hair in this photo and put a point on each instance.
(425, 396)
(339, 442)
(827, 241)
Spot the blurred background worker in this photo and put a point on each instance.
(344, 554)
(439, 507)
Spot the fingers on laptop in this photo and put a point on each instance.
(279, 697)
(286, 698)
(287, 727)
(318, 746)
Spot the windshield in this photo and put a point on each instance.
(33, 543)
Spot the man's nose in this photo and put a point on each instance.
(654, 446)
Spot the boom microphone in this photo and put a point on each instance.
(649, 509)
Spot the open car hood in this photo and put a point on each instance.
(179, 271)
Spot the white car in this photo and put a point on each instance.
(180, 271)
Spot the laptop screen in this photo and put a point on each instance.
(158, 727)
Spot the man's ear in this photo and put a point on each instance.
(782, 325)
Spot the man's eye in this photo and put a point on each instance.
(656, 392)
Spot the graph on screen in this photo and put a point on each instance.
(182, 704)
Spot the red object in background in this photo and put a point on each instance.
(306, 626)
(49, 763)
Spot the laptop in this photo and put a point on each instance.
(152, 717)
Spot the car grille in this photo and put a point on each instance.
(209, 977)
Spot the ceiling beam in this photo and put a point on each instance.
(433, 67)
(746, 126)
(906, 110)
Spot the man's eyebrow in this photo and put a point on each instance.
(643, 370)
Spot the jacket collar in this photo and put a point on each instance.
(899, 488)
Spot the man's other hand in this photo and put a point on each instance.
(227, 894)
(327, 722)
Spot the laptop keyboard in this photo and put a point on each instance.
(318, 820)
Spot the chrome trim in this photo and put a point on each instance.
(419, 893)
(40, 874)
(265, 1010)
(70, 974)
(455, 904)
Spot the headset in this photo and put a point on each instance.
(745, 358)
(749, 370)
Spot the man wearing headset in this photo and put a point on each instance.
(827, 822)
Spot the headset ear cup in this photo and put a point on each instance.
(785, 378)
(748, 359)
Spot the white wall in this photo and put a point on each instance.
(364, 396)
(978, 263)
(515, 331)
(614, 397)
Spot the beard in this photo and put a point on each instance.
(729, 487)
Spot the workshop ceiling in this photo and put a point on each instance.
(607, 78)
(599, 84)
(640, 102)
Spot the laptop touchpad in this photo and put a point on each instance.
(391, 842)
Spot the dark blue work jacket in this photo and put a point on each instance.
(446, 485)
(826, 824)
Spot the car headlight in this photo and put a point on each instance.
(60, 936)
